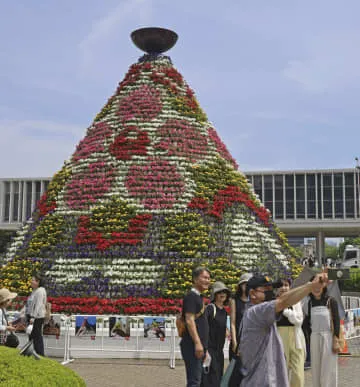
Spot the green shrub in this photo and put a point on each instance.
(353, 284)
(17, 370)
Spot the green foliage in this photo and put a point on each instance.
(5, 238)
(353, 284)
(331, 251)
(16, 370)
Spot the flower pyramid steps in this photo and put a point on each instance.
(149, 192)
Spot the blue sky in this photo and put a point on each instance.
(278, 79)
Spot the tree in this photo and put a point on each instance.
(331, 251)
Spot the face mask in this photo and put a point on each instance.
(269, 295)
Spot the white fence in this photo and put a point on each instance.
(141, 337)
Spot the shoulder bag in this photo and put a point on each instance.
(11, 339)
(181, 324)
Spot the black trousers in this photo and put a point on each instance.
(37, 336)
(213, 377)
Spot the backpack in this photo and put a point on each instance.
(214, 312)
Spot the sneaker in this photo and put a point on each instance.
(307, 365)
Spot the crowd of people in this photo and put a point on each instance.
(267, 323)
(34, 314)
(267, 343)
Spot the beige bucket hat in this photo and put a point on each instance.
(244, 278)
(217, 287)
(6, 295)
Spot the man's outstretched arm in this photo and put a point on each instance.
(295, 295)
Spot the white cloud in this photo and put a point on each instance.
(332, 63)
(103, 29)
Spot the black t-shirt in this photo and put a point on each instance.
(284, 321)
(217, 326)
(193, 303)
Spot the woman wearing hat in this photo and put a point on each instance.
(237, 309)
(217, 317)
(5, 300)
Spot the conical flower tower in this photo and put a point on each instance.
(149, 192)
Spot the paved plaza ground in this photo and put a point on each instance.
(156, 373)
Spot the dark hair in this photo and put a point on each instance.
(39, 278)
(239, 291)
(287, 279)
(198, 271)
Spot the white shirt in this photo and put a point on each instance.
(296, 317)
(37, 308)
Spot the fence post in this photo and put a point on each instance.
(172, 343)
(67, 358)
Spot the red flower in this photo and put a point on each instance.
(45, 206)
(143, 104)
(132, 236)
(221, 147)
(199, 203)
(180, 138)
(123, 147)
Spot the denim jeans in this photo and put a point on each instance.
(193, 365)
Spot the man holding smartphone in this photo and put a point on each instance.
(261, 350)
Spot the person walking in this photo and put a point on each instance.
(194, 342)
(293, 340)
(261, 350)
(35, 310)
(5, 300)
(238, 305)
(217, 317)
(324, 340)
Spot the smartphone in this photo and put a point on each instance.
(338, 274)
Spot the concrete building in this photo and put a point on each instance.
(312, 203)
(18, 198)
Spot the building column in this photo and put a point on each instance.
(33, 198)
(11, 207)
(24, 196)
(2, 201)
(320, 247)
